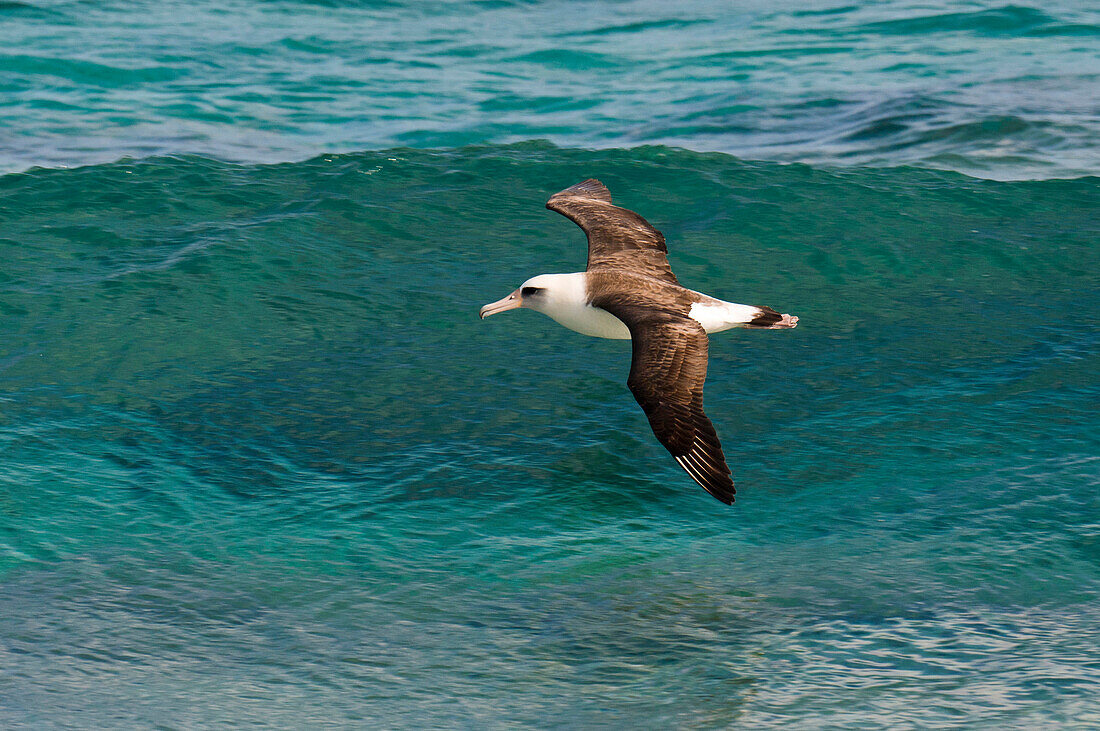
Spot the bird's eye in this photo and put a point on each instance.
(528, 291)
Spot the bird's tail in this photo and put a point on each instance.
(769, 319)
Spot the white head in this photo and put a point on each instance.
(546, 293)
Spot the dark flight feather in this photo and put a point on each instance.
(667, 372)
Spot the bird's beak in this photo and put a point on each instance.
(510, 302)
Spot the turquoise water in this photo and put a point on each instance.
(261, 464)
(992, 89)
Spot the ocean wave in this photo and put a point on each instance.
(256, 446)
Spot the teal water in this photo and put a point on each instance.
(262, 462)
(262, 466)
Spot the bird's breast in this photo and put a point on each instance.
(589, 320)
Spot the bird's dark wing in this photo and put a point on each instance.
(616, 237)
(666, 377)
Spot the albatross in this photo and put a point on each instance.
(628, 292)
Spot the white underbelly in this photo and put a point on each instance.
(591, 321)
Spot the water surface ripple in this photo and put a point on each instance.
(991, 89)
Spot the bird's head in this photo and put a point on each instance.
(539, 293)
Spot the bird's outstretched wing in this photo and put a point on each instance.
(667, 373)
(616, 237)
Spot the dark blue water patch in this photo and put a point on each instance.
(841, 10)
(638, 27)
(570, 60)
(1009, 20)
(87, 72)
(12, 8)
(1066, 29)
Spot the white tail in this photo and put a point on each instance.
(718, 316)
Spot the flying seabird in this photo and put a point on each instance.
(628, 292)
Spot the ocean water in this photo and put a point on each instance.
(997, 90)
(261, 465)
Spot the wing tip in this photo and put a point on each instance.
(590, 189)
(719, 486)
